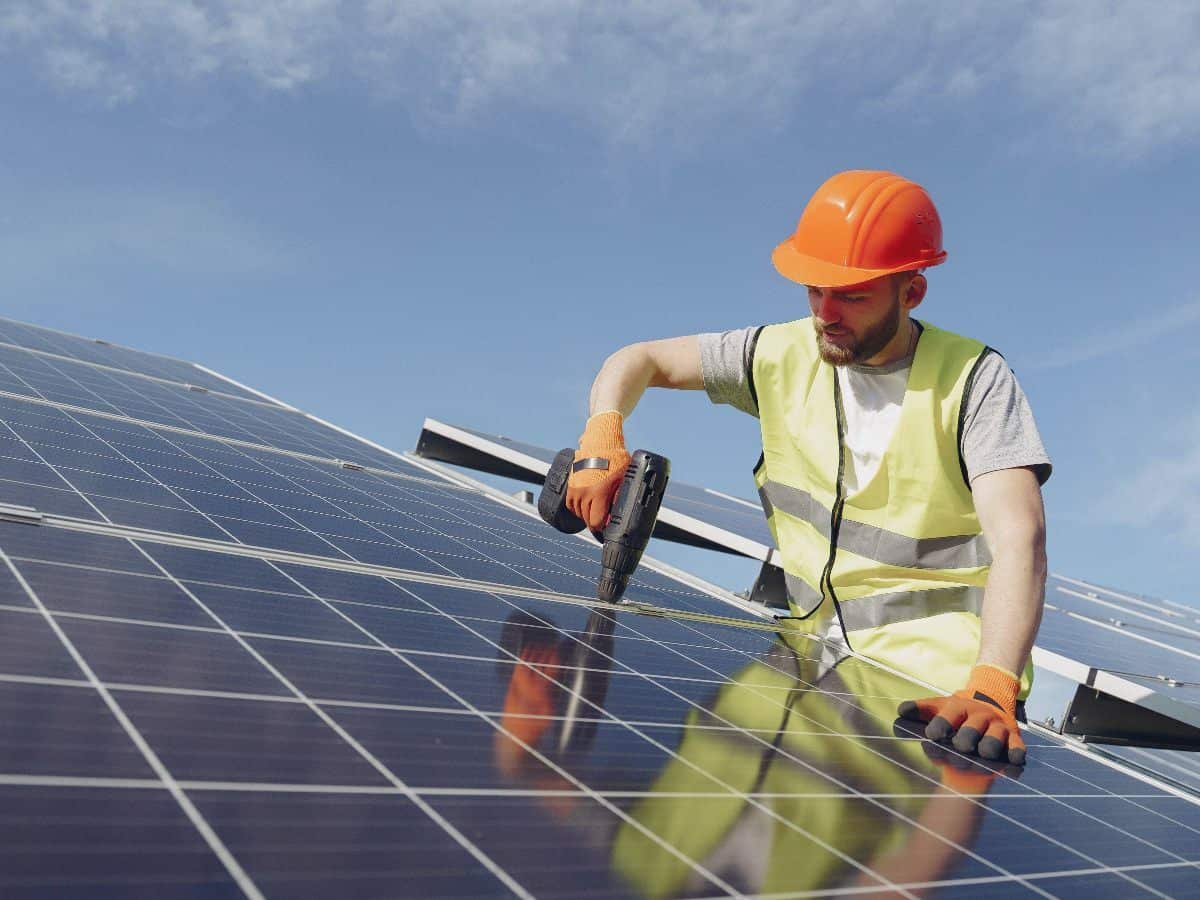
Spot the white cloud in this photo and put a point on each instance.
(1120, 338)
(1125, 74)
(1165, 492)
(1114, 77)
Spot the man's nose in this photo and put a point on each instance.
(827, 309)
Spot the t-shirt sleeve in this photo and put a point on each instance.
(999, 431)
(726, 360)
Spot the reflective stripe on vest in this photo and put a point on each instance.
(907, 545)
(963, 551)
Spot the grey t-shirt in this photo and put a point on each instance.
(998, 431)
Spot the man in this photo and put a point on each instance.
(901, 470)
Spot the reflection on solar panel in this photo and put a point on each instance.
(232, 666)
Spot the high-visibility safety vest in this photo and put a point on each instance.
(902, 561)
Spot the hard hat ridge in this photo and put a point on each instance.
(860, 225)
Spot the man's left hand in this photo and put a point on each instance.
(981, 717)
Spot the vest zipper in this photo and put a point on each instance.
(835, 519)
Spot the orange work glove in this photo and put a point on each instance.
(982, 716)
(600, 464)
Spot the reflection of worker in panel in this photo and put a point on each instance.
(901, 469)
(772, 822)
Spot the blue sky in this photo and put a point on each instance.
(385, 210)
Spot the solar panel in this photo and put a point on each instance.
(229, 670)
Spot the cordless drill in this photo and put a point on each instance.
(630, 522)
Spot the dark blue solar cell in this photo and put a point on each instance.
(1174, 834)
(582, 856)
(1177, 880)
(350, 673)
(221, 739)
(287, 615)
(11, 592)
(356, 588)
(388, 554)
(79, 548)
(431, 750)
(28, 646)
(64, 731)
(116, 594)
(343, 845)
(114, 356)
(1117, 650)
(218, 568)
(1063, 823)
(234, 504)
(406, 630)
(485, 684)
(277, 537)
(56, 501)
(140, 490)
(138, 844)
(169, 657)
(1103, 885)
(158, 518)
(31, 471)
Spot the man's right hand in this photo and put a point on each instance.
(602, 460)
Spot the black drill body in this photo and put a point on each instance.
(630, 523)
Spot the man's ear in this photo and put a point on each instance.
(915, 292)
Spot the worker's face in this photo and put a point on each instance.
(858, 323)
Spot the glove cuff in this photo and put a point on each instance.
(996, 685)
(602, 434)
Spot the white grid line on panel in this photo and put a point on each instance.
(446, 826)
(214, 842)
(964, 884)
(102, 341)
(974, 800)
(383, 770)
(807, 765)
(244, 387)
(184, 398)
(852, 791)
(1181, 610)
(215, 438)
(130, 373)
(491, 723)
(567, 776)
(1112, 626)
(269, 787)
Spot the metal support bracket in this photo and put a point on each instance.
(770, 588)
(1097, 717)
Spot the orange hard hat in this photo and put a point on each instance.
(860, 225)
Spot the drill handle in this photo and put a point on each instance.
(552, 501)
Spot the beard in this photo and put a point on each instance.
(864, 346)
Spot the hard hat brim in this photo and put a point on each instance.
(804, 269)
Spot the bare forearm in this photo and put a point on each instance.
(621, 381)
(1012, 606)
(624, 377)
